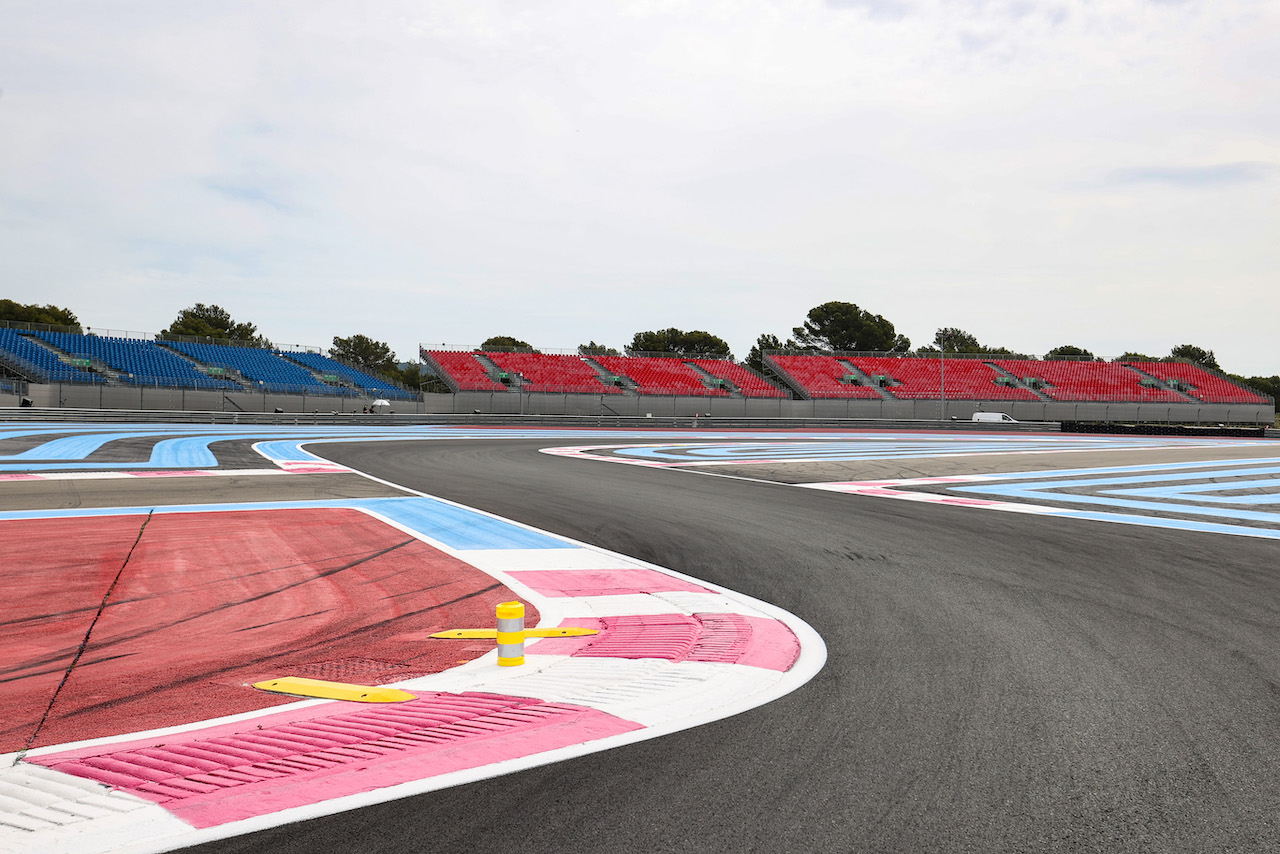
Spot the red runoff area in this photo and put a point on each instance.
(209, 603)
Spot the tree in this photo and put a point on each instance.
(408, 374)
(755, 358)
(959, 341)
(594, 349)
(1192, 353)
(843, 326)
(695, 343)
(506, 342)
(50, 315)
(212, 321)
(1266, 385)
(1134, 357)
(364, 353)
(1070, 351)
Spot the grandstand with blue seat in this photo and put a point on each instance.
(262, 368)
(362, 381)
(39, 363)
(136, 361)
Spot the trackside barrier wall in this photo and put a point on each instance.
(58, 396)
(510, 403)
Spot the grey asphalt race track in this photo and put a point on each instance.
(995, 682)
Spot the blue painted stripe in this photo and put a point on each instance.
(459, 528)
(1029, 493)
(1166, 522)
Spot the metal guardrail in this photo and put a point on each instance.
(119, 416)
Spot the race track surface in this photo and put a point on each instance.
(995, 682)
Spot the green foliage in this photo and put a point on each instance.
(951, 339)
(838, 326)
(50, 315)
(409, 375)
(593, 349)
(1135, 357)
(1192, 353)
(695, 343)
(506, 342)
(364, 353)
(959, 341)
(1069, 351)
(755, 358)
(212, 321)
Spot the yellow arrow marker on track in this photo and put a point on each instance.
(564, 632)
(321, 689)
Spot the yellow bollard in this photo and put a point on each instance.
(511, 634)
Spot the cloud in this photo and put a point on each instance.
(1193, 177)
(878, 10)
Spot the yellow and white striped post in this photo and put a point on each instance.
(510, 634)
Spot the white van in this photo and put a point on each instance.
(994, 416)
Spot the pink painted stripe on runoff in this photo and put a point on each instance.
(724, 638)
(303, 756)
(603, 582)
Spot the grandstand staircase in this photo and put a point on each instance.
(779, 377)
(714, 382)
(865, 378)
(1018, 382)
(514, 381)
(96, 366)
(229, 374)
(606, 376)
(1156, 382)
(328, 379)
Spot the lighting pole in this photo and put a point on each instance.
(942, 375)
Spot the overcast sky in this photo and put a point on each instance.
(1102, 173)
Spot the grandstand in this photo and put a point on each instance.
(1086, 381)
(571, 374)
(815, 377)
(658, 375)
(745, 381)
(550, 372)
(461, 371)
(261, 368)
(55, 367)
(333, 372)
(926, 379)
(134, 361)
(1196, 382)
(23, 356)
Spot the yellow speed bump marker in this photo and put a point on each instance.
(563, 632)
(321, 689)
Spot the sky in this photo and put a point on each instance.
(1102, 173)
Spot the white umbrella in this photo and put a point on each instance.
(381, 402)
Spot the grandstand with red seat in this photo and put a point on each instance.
(1086, 381)
(552, 373)
(819, 377)
(925, 378)
(659, 375)
(461, 371)
(746, 381)
(1198, 383)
